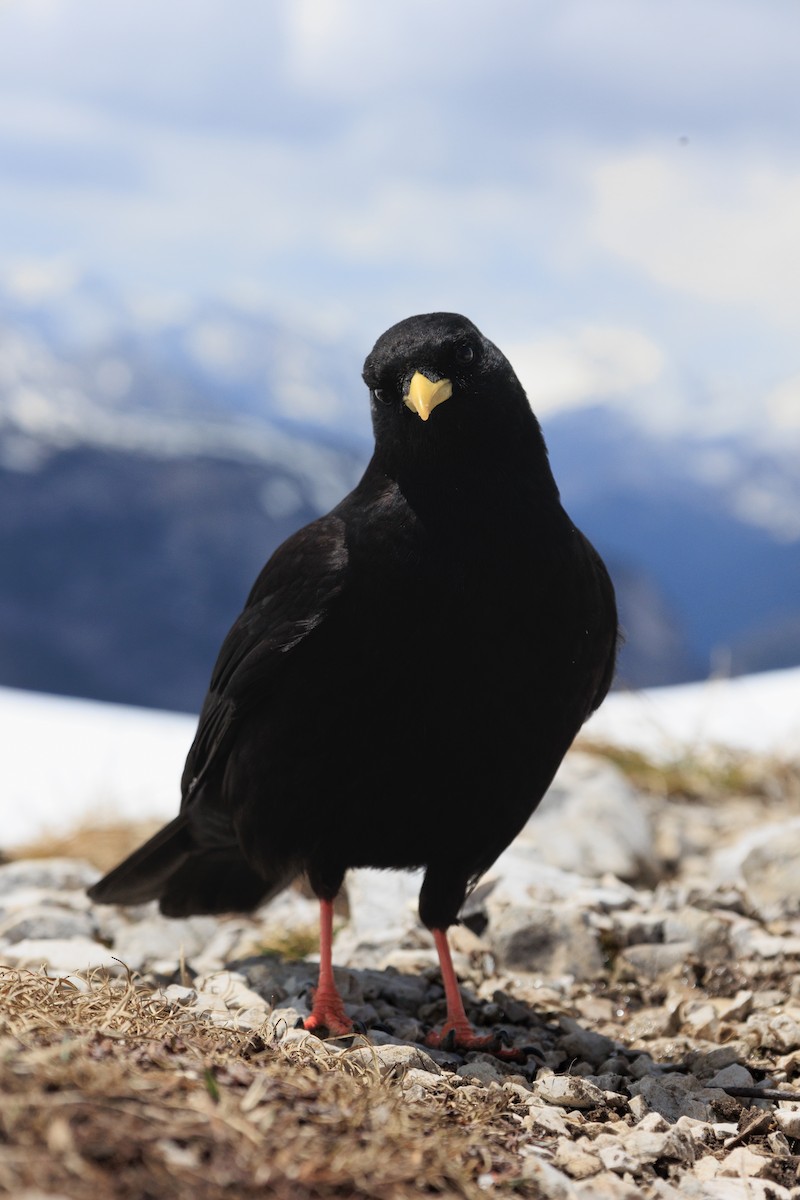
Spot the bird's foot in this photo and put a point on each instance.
(328, 1013)
(459, 1035)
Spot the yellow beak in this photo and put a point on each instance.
(423, 395)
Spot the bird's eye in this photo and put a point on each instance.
(465, 353)
(381, 395)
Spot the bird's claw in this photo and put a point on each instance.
(448, 1041)
(328, 1016)
(457, 1039)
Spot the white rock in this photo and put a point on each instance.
(417, 1077)
(653, 1122)
(742, 1162)
(553, 939)
(139, 943)
(231, 989)
(765, 858)
(788, 1121)
(722, 1188)
(44, 922)
(568, 1091)
(392, 1060)
(545, 1117)
(383, 910)
(652, 959)
(649, 1147)
(551, 1184)
(617, 1158)
(61, 956)
(47, 874)
(577, 1158)
(592, 822)
(706, 934)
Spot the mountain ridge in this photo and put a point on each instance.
(147, 470)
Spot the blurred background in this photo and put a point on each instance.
(209, 211)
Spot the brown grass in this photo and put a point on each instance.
(712, 776)
(101, 845)
(111, 1092)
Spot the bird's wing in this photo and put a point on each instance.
(289, 600)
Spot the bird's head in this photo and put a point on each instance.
(436, 381)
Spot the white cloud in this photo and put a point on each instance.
(595, 362)
(783, 407)
(722, 226)
(31, 280)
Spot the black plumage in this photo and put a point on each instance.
(408, 671)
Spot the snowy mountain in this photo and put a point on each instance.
(152, 455)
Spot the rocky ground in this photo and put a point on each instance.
(638, 944)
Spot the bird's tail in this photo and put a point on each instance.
(184, 878)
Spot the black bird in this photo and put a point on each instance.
(408, 671)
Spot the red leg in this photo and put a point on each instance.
(456, 1019)
(328, 1011)
(457, 1031)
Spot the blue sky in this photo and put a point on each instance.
(609, 188)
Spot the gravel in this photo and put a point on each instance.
(655, 1003)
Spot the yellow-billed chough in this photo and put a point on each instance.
(407, 673)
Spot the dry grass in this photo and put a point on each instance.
(712, 776)
(107, 1091)
(111, 1092)
(101, 845)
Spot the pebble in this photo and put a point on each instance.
(393, 1060)
(568, 1091)
(734, 1075)
(571, 918)
(552, 939)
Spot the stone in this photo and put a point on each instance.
(674, 1096)
(568, 1091)
(383, 916)
(585, 1044)
(769, 869)
(638, 1107)
(175, 993)
(225, 997)
(733, 1076)
(647, 1146)
(577, 1158)
(545, 1117)
(140, 943)
(46, 924)
(592, 822)
(419, 1077)
(652, 959)
(392, 1060)
(485, 1072)
(779, 1144)
(788, 1121)
(282, 1019)
(550, 1183)
(705, 933)
(701, 1020)
(551, 940)
(609, 1187)
(48, 874)
(617, 1158)
(61, 956)
(742, 1162)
